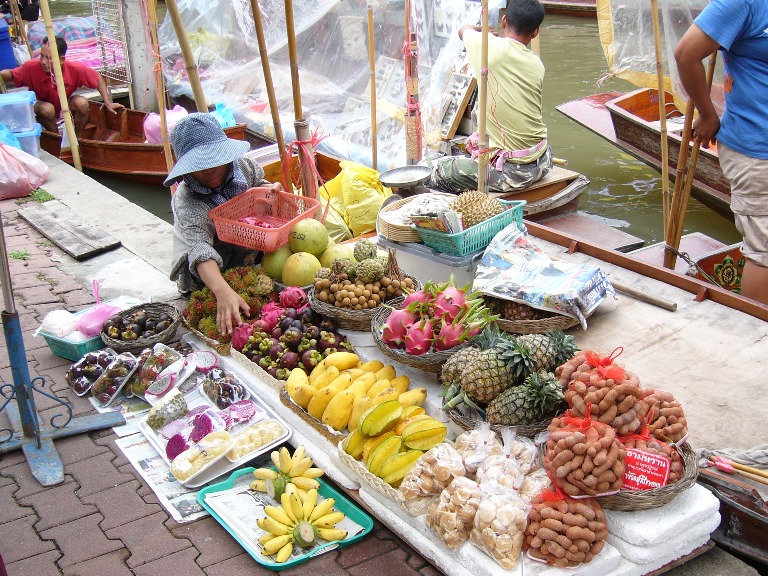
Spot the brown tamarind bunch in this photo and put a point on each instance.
(566, 532)
(667, 420)
(585, 461)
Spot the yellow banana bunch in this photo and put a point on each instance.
(298, 522)
(296, 471)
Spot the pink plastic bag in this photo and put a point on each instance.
(35, 170)
(91, 322)
(152, 131)
(13, 178)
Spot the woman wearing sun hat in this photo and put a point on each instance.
(211, 169)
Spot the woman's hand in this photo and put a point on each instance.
(228, 306)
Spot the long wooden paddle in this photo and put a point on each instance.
(372, 66)
(186, 53)
(662, 114)
(683, 184)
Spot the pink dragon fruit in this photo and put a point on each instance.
(293, 297)
(450, 336)
(450, 301)
(418, 338)
(176, 445)
(394, 329)
(271, 313)
(240, 336)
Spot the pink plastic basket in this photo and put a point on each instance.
(280, 209)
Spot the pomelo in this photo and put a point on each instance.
(308, 235)
(335, 252)
(300, 269)
(273, 262)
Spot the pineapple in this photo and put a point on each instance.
(488, 374)
(452, 368)
(538, 398)
(517, 311)
(476, 207)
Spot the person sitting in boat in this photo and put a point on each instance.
(211, 169)
(517, 135)
(38, 76)
(737, 28)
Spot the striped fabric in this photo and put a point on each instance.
(71, 28)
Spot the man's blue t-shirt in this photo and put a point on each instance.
(741, 29)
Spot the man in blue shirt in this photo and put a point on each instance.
(739, 28)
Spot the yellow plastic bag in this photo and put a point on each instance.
(363, 194)
(335, 218)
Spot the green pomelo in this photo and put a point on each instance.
(336, 252)
(308, 235)
(300, 269)
(273, 262)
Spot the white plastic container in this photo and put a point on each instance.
(30, 141)
(17, 111)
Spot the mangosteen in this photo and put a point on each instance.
(328, 325)
(164, 318)
(298, 325)
(310, 359)
(277, 332)
(272, 371)
(291, 313)
(286, 323)
(103, 360)
(289, 360)
(116, 319)
(150, 324)
(309, 317)
(276, 350)
(140, 319)
(292, 337)
(113, 332)
(311, 332)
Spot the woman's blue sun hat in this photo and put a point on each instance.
(200, 143)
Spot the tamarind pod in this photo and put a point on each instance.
(580, 449)
(579, 533)
(571, 519)
(628, 402)
(568, 488)
(553, 524)
(533, 526)
(609, 476)
(601, 534)
(565, 443)
(535, 551)
(590, 482)
(597, 547)
(603, 487)
(577, 475)
(588, 465)
(618, 467)
(607, 416)
(562, 458)
(577, 405)
(583, 509)
(549, 512)
(670, 411)
(609, 398)
(570, 466)
(559, 562)
(593, 397)
(600, 459)
(536, 542)
(592, 450)
(534, 515)
(558, 435)
(547, 534)
(583, 545)
(595, 526)
(555, 549)
(575, 557)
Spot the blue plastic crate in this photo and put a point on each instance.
(478, 236)
(72, 350)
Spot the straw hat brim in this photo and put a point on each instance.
(207, 156)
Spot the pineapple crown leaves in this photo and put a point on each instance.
(543, 390)
(518, 356)
(565, 346)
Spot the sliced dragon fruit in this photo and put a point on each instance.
(242, 410)
(225, 415)
(197, 410)
(208, 421)
(174, 427)
(176, 445)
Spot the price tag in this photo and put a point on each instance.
(644, 470)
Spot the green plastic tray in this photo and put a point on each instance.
(343, 504)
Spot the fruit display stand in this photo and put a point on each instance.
(639, 542)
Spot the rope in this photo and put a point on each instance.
(693, 266)
(303, 151)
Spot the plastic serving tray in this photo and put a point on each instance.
(240, 520)
(222, 465)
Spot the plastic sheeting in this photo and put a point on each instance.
(334, 70)
(626, 33)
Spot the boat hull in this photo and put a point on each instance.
(114, 144)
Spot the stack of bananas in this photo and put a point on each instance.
(296, 471)
(341, 387)
(298, 522)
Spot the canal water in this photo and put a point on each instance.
(624, 192)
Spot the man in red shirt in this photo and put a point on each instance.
(38, 76)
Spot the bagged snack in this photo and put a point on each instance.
(499, 524)
(452, 515)
(502, 469)
(584, 457)
(614, 393)
(475, 445)
(432, 472)
(564, 532)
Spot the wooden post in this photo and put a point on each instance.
(270, 87)
(18, 23)
(65, 112)
(159, 84)
(186, 53)
(372, 65)
(680, 200)
(482, 103)
(412, 112)
(665, 200)
(306, 153)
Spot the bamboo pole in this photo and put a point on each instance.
(372, 65)
(159, 84)
(482, 104)
(65, 111)
(306, 152)
(270, 87)
(186, 53)
(412, 113)
(680, 201)
(665, 199)
(18, 22)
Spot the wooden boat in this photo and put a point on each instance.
(631, 122)
(115, 144)
(582, 8)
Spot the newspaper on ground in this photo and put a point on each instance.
(513, 268)
(133, 410)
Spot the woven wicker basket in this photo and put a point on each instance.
(153, 309)
(348, 318)
(629, 500)
(430, 362)
(538, 326)
(413, 507)
(221, 348)
(328, 433)
(468, 419)
(389, 229)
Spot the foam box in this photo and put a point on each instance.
(656, 526)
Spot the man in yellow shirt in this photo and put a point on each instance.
(517, 135)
